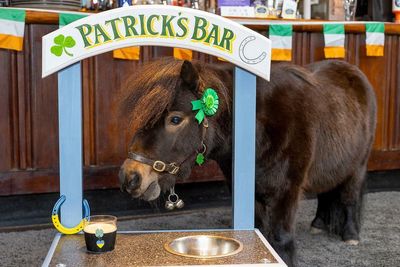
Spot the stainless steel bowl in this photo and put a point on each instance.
(204, 246)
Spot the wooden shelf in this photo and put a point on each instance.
(43, 17)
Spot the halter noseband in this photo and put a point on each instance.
(158, 165)
(171, 168)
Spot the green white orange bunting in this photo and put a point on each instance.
(185, 30)
(12, 27)
(66, 18)
(375, 38)
(129, 53)
(334, 40)
(281, 38)
(183, 54)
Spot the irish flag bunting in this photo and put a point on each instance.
(130, 53)
(375, 38)
(334, 40)
(183, 54)
(281, 38)
(12, 26)
(65, 18)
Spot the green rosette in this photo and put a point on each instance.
(210, 102)
(207, 105)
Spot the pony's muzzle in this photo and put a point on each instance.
(129, 181)
(139, 180)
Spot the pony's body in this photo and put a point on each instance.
(315, 128)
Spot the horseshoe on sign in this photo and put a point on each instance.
(243, 57)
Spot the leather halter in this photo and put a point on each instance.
(173, 167)
(157, 165)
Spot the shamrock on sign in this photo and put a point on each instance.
(61, 43)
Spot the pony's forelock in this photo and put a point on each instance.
(146, 95)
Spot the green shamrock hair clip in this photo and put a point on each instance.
(207, 105)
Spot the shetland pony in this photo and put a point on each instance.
(315, 129)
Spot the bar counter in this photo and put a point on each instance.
(146, 249)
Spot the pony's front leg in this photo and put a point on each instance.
(275, 216)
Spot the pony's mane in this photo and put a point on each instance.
(146, 95)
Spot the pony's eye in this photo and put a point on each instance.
(176, 120)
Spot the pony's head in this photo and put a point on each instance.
(166, 136)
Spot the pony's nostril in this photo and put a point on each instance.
(134, 181)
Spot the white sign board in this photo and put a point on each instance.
(157, 25)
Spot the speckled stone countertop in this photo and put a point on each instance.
(147, 249)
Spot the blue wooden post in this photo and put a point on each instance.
(244, 141)
(70, 143)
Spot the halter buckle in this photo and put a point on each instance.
(175, 168)
(159, 166)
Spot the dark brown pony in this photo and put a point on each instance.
(315, 129)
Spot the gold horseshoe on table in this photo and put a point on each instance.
(66, 230)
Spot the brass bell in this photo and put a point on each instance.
(179, 204)
(169, 205)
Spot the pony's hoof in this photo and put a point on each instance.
(316, 231)
(352, 242)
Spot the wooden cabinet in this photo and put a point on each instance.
(28, 110)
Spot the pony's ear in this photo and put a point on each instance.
(189, 75)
